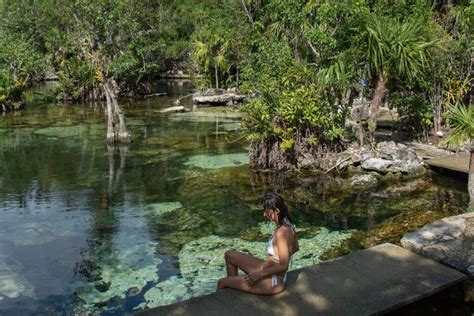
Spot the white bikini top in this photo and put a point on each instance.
(270, 249)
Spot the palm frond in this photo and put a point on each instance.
(461, 122)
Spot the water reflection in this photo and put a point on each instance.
(91, 228)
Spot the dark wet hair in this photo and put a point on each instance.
(273, 201)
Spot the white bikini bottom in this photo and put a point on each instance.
(275, 279)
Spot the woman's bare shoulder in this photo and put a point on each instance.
(285, 232)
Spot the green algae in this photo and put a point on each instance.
(163, 207)
(167, 292)
(206, 117)
(81, 130)
(126, 262)
(63, 131)
(217, 161)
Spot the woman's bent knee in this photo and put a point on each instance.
(229, 255)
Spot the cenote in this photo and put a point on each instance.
(86, 228)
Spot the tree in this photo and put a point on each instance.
(461, 122)
(394, 49)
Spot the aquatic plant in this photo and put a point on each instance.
(167, 292)
(218, 161)
(163, 207)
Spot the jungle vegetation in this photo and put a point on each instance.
(306, 61)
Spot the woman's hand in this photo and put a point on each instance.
(253, 277)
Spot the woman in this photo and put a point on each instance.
(264, 276)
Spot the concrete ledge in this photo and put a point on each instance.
(367, 282)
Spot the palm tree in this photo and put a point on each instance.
(461, 122)
(394, 49)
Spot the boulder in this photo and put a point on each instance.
(218, 97)
(376, 164)
(364, 182)
(449, 241)
(407, 167)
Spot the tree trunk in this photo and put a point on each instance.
(121, 135)
(377, 101)
(470, 182)
(110, 116)
(216, 74)
(436, 99)
(237, 83)
(346, 103)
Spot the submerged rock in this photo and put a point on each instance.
(12, 283)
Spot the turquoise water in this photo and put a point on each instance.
(87, 228)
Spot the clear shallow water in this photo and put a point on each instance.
(94, 229)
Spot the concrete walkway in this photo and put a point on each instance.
(458, 162)
(367, 282)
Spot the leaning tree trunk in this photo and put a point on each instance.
(121, 134)
(377, 101)
(470, 182)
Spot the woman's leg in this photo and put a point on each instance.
(263, 287)
(238, 260)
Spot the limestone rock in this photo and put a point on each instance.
(377, 164)
(449, 240)
(218, 97)
(364, 182)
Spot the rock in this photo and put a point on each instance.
(364, 182)
(449, 241)
(360, 111)
(410, 167)
(376, 164)
(470, 271)
(218, 97)
(173, 109)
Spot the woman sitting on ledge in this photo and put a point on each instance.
(268, 276)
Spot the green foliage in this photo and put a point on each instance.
(305, 59)
(461, 122)
(397, 48)
(415, 112)
(77, 77)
